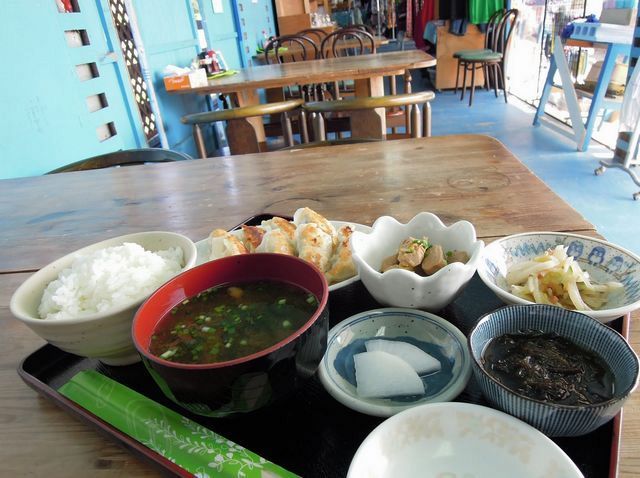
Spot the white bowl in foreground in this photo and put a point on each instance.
(107, 335)
(602, 260)
(453, 439)
(402, 288)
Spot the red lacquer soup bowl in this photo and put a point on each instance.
(246, 383)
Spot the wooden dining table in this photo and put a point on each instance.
(367, 71)
(470, 177)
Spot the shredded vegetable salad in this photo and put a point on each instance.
(556, 278)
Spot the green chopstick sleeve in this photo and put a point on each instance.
(182, 441)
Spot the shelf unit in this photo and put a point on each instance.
(295, 15)
(582, 130)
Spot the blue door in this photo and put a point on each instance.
(66, 98)
(220, 29)
(170, 37)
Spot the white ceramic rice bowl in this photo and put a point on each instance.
(602, 260)
(402, 288)
(105, 336)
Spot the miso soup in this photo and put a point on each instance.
(232, 321)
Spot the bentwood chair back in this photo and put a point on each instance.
(489, 44)
(366, 108)
(316, 34)
(362, 42)
(295, 47)
(493, 60)
(129, 157)
(241, 135)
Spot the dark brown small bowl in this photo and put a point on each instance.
(247, 383)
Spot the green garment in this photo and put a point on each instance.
(481, 10)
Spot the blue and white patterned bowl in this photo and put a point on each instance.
(582, 330)
(602, 260)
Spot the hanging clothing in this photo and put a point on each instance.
(409, 19)
(481, 10)
(425, 15)
(391, 19)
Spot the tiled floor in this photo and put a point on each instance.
(605, 201)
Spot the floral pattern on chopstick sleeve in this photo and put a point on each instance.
(180, 440)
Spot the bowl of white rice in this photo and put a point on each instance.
(84, 302)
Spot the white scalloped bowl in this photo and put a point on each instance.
(401, 288)
(602, 260)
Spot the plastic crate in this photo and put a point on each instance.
(603, 33)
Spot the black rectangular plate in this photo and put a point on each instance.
(308, 433)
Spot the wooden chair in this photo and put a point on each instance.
(489, 38)
(129, 157)
(295, 48)
(361, 43)
(316, 34)
(241, 135)
(368, 116)
(495, 59)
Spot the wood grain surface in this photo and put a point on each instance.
(316, 71)
(456, 177)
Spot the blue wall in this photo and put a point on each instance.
(254, 17)
(45, 122)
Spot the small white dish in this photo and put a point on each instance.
(434, 335)
(603, 261)
(458, 440)
(402, 288)
(204, 250)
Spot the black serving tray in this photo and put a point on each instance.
(308, 432)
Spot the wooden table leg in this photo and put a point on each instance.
(361, 126)
(250, 97)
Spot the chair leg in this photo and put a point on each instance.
(455, 90)
(199, 140)
(304, 132)
(287, 130)
(473, 83)
(504, 82)
(426, 120)
(393, 90)
(407, 89)
(464, 81)
(485, 75)
(415, 122)
(319, 132)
